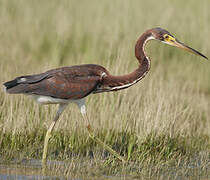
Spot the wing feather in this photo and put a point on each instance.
(66, 83)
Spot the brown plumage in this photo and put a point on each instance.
(77, 82)
(63, 85)
(73, 82)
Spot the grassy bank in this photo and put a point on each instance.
(154, 156)
(164, 119)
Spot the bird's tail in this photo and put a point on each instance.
(23, 84)
(14, 86)
(10, 84)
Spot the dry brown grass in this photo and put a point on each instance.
(173, 99)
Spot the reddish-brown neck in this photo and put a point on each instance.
(139, 48)
(115, 83)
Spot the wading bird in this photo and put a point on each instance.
(72, 84)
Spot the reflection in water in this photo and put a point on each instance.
(19, 177)
(198, 168)
(26, 170)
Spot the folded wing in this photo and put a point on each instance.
(65, 83)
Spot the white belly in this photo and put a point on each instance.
(50, 100)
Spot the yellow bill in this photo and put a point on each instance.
(174, 42)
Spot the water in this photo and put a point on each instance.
(26, 170)
(32, 169)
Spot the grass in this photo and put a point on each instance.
(82, 157)
(161, 122)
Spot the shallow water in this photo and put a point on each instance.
(32, 169)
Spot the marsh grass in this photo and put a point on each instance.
(164, 119)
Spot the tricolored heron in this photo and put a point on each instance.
(72, 84)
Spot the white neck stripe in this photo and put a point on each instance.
(135, 81)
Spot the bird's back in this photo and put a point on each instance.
(72, 82)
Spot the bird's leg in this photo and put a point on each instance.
(105, 146)
(48, 134)
(91, 134)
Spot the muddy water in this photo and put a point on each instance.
(31, 169)
(23, 171)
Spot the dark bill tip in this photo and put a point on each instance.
(185, 47)
(197, 52)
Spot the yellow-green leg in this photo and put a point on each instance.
(48, 135)
(91, 134)
(81, 105)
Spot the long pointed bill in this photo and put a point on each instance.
(174, 42)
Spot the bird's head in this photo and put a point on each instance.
(165, 37)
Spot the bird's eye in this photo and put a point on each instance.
(166, 36)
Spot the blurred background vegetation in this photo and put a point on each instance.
(172, 100)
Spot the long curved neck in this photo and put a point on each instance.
(139, 48)
(114, 83)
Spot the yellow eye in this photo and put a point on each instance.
(166, 36)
